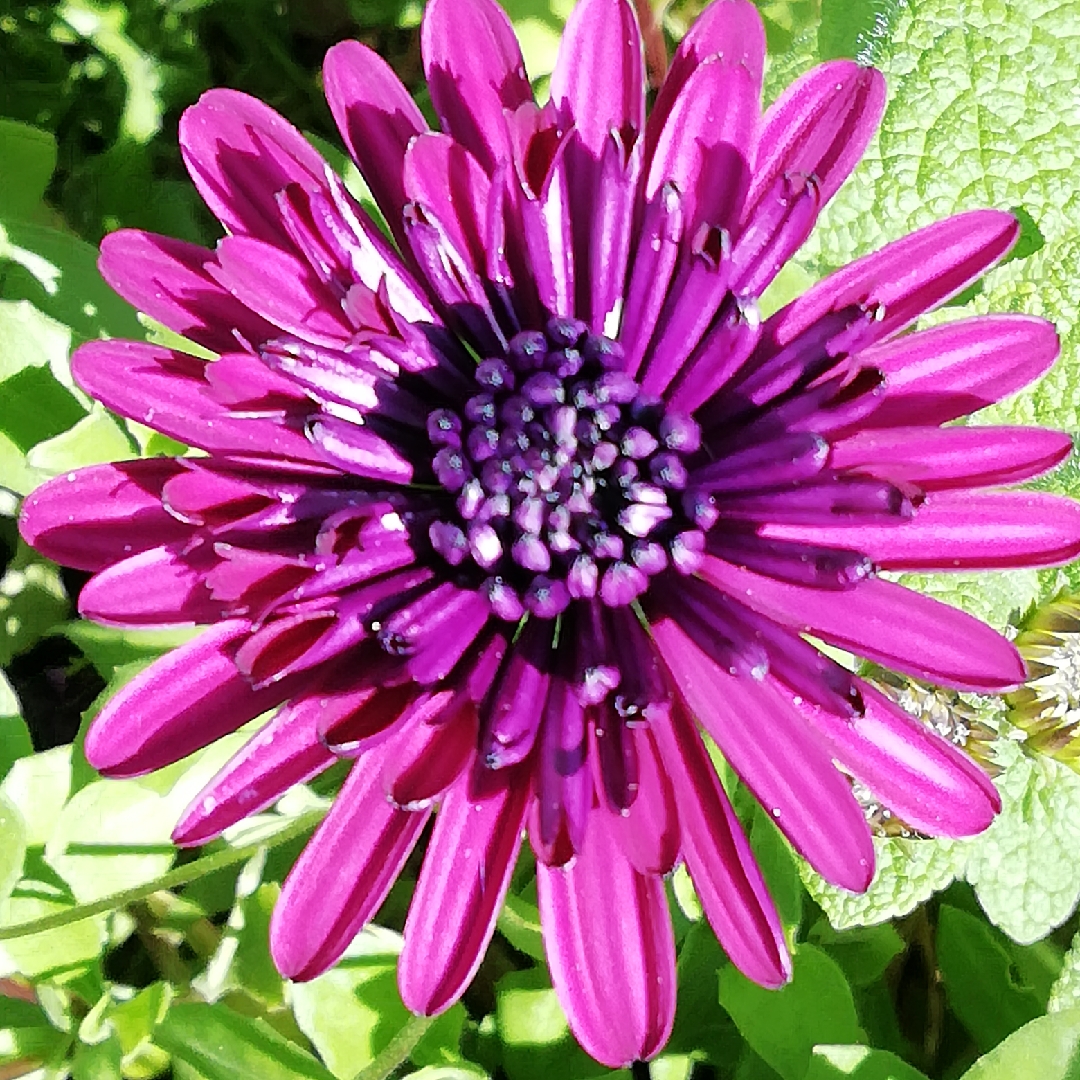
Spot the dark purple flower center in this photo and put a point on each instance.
(569, 482)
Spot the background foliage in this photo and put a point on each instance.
(121, 957)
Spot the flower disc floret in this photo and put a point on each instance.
(570, 481)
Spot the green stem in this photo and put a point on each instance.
(397, 1051)
(182, 875)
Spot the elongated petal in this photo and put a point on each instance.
(286, 751)
(906, 277)
(610, 948)
(708, 143)
(729, 29)
(960, 530)
(819, 127)
(343, 875)
(158, 386)
(718, 856)
(475, 74)
(601, 96)
(376, 117)
(240, 153)
(886, 623)
(935, 458)
(167, 280)
(181, 703)
(460, 890)
(159, 587)
(96, 516)
(789, 773)
(927, 782)
(648, 832)
(948, 371)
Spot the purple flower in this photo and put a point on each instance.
(510, 508)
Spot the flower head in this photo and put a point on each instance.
(513, 505)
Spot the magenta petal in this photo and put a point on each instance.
(460, 890)
(907, 277)
(886, 623)
(819, 127)
(930, 784)
(728, 881)
(421, 761)
(240, 153)
(376, 118)
(91, 518)
(957, 368)
(648, 832)
(286, 751)
(789, 773)
(475, 74)
(157, 386)
(936, 458)
(181, 703)
(730, 29)
(343, 875)
(283, 289)
(961, 530)
(707, 144)
(159, 587)
(167, 280)
(610, 948)
(599, 79)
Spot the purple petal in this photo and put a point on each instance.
(167, 280)
(927, 782)
(948, 371)
(240, 153)
(475, 74)
(819, 127)
(159, 587)
(167, 390)
(181, 703)
(907, 277)
(648, 832)
(342, 876)
(610, 948)
(360, 451)
(461, 887)
(422, 761)
(707, 144)
(718, 856)
(885, 623)
(598, 84)
(446, 180)
(728, 29)
(286, 751)
(283, 289)
(376, 118)
(92, 518)
(960, 530)
(789, 772)
(936, 458)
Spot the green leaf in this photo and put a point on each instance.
(858, 29)
(353, 1012)
(907, 873)
(27, 161)
(111, 835)
(35, 407)
(448, 1072)
(998, 597)
(783, 1026)
(979, 981)
(519, 923)
(37, 786)
(863, 952)
(12, 847)
(93, 440)
(539, 24)
(536, 1041)
(1048, 1048)
(32, 602)
(1065, 993)
(27, 1033)
(109, 648)
(1024, 868)
(778, 864)
(58, 274)
(101, 1061)
(222, 1045)
(859, 1063)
